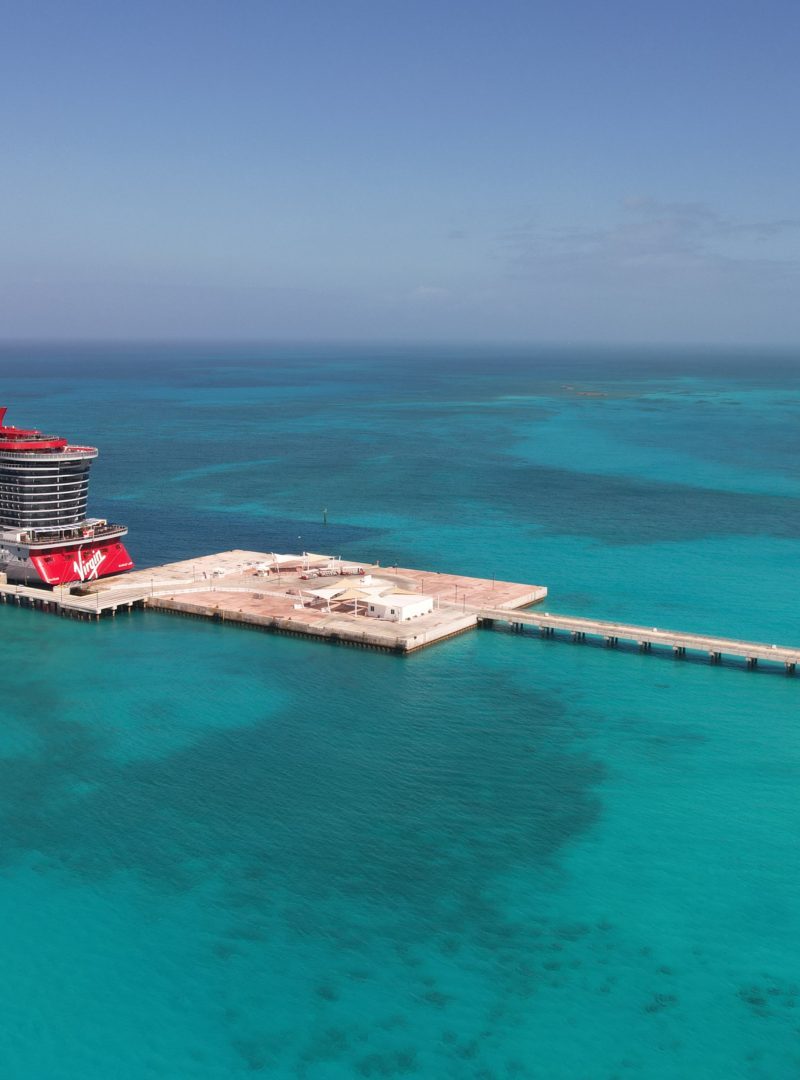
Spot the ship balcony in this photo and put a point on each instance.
(100, 530)
(69, 453)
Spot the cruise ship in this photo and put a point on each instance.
(45, 536)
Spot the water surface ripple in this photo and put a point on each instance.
(228, 855)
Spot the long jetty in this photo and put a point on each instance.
(644, 637)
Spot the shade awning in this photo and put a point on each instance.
(332, 591)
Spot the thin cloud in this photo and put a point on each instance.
(702, 219)
(651, 236)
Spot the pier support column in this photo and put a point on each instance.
(679, 651)
(752, 662)
(714, 658)
(611, 642)
(789, 667)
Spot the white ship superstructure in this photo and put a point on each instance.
(45, 535)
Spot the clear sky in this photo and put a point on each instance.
(566, 171)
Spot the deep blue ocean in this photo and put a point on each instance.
(226, 854)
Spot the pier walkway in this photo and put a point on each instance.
(63, 602)
(645, 637)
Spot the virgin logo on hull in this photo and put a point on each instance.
(81, 563)
(89, 569)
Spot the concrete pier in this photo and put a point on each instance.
(680, 643)
(319, 597)
(312, 595)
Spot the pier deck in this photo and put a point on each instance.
(275, 593)
(645, 637)
(284, 602)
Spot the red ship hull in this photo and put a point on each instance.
(84, 562)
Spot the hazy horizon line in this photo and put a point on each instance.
(390, 343)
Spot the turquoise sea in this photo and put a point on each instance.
(227, 854)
